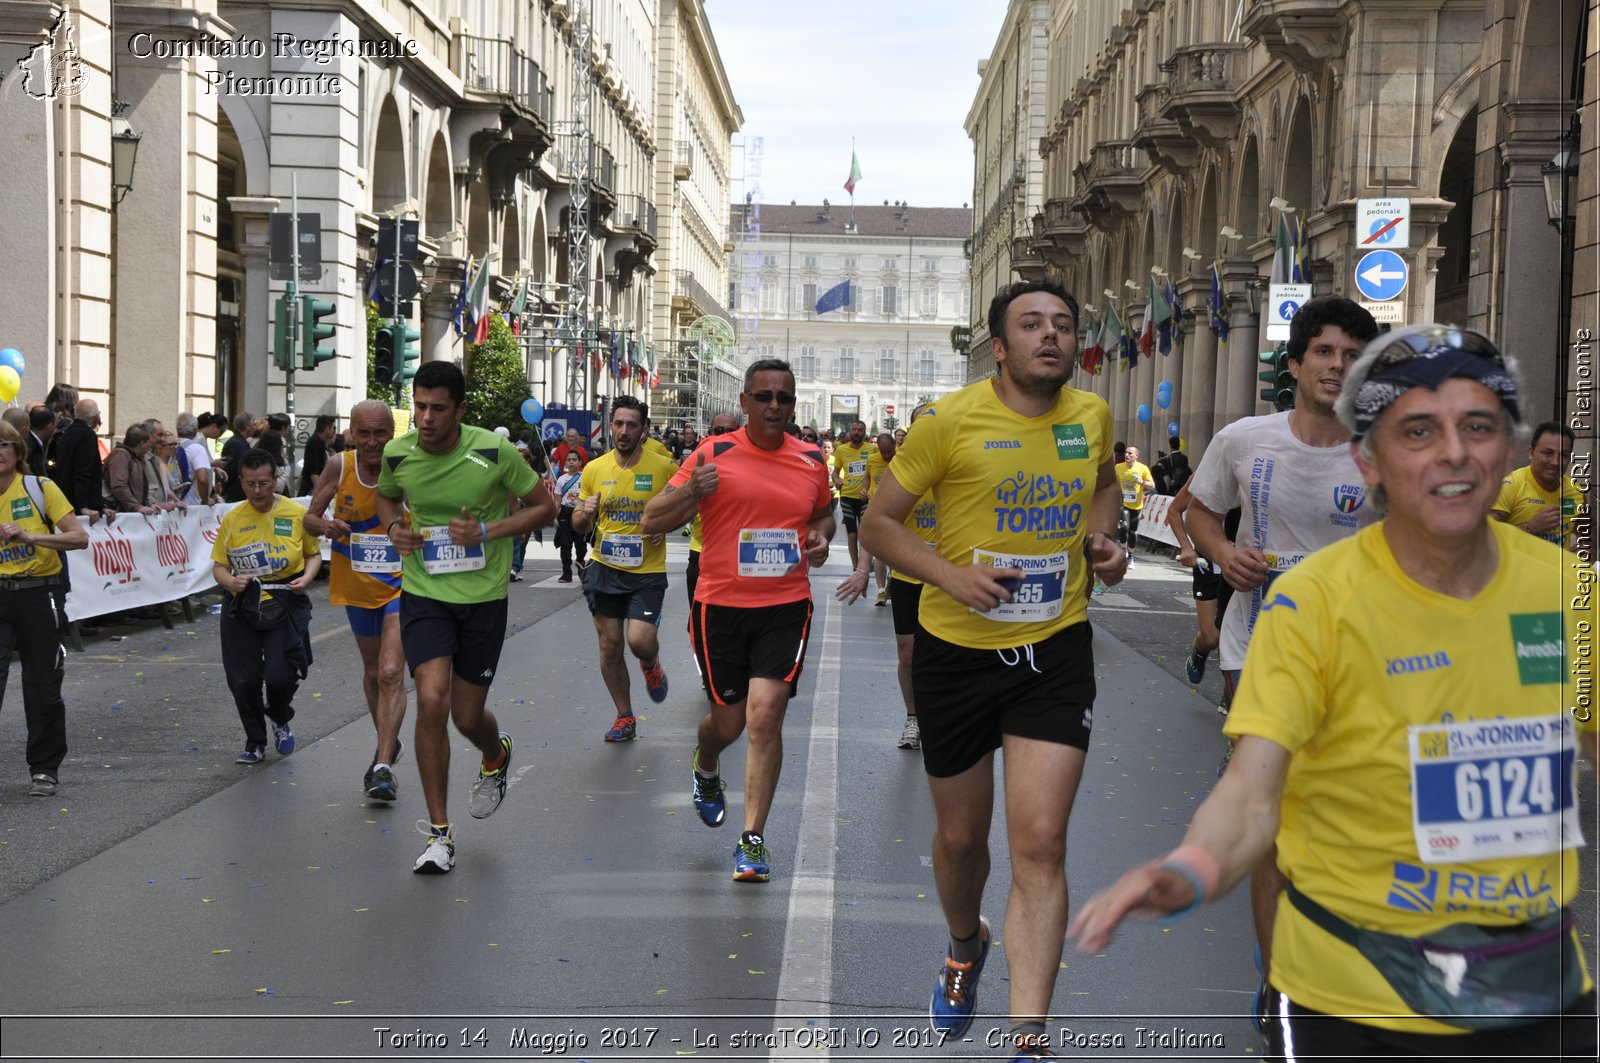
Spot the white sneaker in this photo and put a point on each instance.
(911, 734)
(440, 855)
(490, 788)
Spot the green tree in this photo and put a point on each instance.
(497, 381)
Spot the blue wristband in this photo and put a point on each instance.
(1195, 884)
(483, 530)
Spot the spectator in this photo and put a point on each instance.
(41, 429)
(234, 449)
(568, 540)
(160, 468)
(63, 402)
(78, 470)
(271, 441)
(194, 462)
(574, 441)
(316, 456)
(125, 471)
(16, 418)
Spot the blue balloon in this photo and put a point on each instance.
(1172, 429)
(13, 357)
(1163, 399)
(1144, 413)
(532, 411)
(1165, 385)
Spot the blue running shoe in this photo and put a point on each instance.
(750, 859)
(1195, 666)
(655, 680)
(282, 740)
(624, 729)
(251, 756)
(955, 990)
(708, 799)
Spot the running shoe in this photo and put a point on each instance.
(282, 739)
(750, 859)
(708, 799)
(910, 734)
(515, 578)
(955, 990)
(1032, 1053)
(655, 680)
(254, 755)
(883, 598)
(440, 855)
(490, 789)
(1195, 666)
(44, 785)
(624, 729)
(380, 784)
(1099, 587)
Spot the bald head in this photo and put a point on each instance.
(87, 409)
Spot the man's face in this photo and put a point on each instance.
(689, 438)
(144, 446)
(370, 431)
(1040, 343)
(1320, 374)
(1549, 458)
(435, 414)
(1440, 457)
(723, 423)
(573, 438)
(327, 434)
(858, 433)
(627, 430)
(768, 402)
(1133, 455)
(885, 445)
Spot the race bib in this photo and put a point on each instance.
(855, 469)
(373, 553)
(1493, 788)
(1278, 564)
(622, 551)
(441, 556)
(768, 552)
(1129, 496)
(1038, 597)
(249, 560)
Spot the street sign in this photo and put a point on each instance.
(408, 238)
(1390, 313)
(554, 428)
(1283, 302)
(384, 282)
(888, 408)
(280, 246)
(1381, 276)
(1383, 223)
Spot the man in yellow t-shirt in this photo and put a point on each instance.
(1134, 481)
(626, 580)
(1540, 498)
(850, 459)
(1019, 468)
(1407, 730)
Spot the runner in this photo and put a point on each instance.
(364, 577)
(1136, 482)
(1540, 498)
(1020, 470)
(877, 461)
(850, 480)
(568, 540)
(721, 424)
(905, 592)
(767, 512)
(627, 582)
(454, 535)
(1408, 735)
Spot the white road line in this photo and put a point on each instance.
(805, 983)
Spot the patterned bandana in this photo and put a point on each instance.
(1423, 356)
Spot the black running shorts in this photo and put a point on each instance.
(1207, 584)
(968, 699)
(903, 599)
(853, 509)
(470, 635)
(732, 644)
(624, 595)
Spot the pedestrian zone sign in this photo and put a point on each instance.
(1383, 224)
(1284, 302)
(554, 428)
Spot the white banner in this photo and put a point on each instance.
(1153, 520)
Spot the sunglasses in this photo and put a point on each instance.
(1417, 342)
(719, 430)
(783, 398)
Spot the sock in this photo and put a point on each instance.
(380, 764)
(967, 950)
(1028, 1035)
(441, 828)
(499, 762)
(698, 770)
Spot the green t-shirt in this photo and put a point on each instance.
(480, 473)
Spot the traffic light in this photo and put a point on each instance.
(283, 352)
(1278, 381)
(314, 334)
(383, 367)
(395, 354)
(410, 353)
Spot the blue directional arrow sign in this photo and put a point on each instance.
(1381, 275)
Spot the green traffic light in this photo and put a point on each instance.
(283, 346)
(383, 356)
(316, 344)
(1277, 380)
(410, 353)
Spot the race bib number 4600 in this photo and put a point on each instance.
(441, 556)
(768, 552)
(1493, 788)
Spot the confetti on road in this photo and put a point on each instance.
(220, 952)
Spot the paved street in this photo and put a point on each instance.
(168, 902)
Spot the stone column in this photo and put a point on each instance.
(251, 214)
(1197, 396)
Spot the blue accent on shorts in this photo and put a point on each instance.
(368, 623)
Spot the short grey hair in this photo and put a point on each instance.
(188, 425)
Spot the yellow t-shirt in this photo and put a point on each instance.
(28, 561)
(271, 546)
(1352, 666)
(1010, 491)
(1521, 499)
(851, 461)
(1131, 476)
(619, 542)
(924, 520)
(696, 544)
(876, 463)
(655, 446)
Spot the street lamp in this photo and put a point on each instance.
(124, 150)
(1560, 185)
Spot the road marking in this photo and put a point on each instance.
(805, 983)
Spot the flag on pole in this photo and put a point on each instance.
(1111, 335)
(477, 303)
(855, 174)
(461, 297)
(1093, 353)
(372, 287)
(1302, 252)
(1219, 317)
(1283, 268)
(834, 298)
(1177, 319)
(1157, 318)
(519, 306)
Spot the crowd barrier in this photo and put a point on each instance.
(1153, 520)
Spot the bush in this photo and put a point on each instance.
(497, 380)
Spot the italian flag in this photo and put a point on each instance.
(478, 302)
(855, 174)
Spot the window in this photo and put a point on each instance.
(849, 262)
(966, 304)
(808, 297)
(886, 364)
(890, 264)
(888, 300)
(930, 300)
(929, 367)
(807, 369)
(855, 298)
(930, 265)
(847, 363)
(769, 298)
(770, 261)
(811, 262)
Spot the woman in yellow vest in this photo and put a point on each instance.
(265, 559)
(38, 524)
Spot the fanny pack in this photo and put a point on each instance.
(258, 611)
(1474, 977)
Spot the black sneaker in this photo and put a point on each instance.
(44, 785)
(1195, 666)
(380, 784)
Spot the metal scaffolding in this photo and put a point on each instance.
(577, 334)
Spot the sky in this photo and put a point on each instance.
(897, 75)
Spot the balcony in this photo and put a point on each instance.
(1203, 93)
(690, 298)
(1306, 34)
(1027, 259)
(682, 159)
(1060, 231)
(636, 215)
(1109, 180)
(1158, 136)
(603, 181)
(490, 67)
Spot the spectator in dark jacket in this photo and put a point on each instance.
(125, 471)
(316, 456)
(77, 469)
(41, 428)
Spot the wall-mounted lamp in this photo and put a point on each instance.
(1132, 287)
(1191, 254)
(1280, 204)
(1561, 186)
(1158, 271)
(1230, 233)
(124, 152)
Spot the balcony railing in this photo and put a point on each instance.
(496, 68)
(1208, 68)
(605, 169)
(636, 213)
(682, 159)
(684, 285)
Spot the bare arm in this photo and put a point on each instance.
(1245, 568)
(1187, 555)
(1107, 560)
(69, 535)
(327, 484)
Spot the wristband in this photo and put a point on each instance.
(1195, 866)
(483, 530)
(389, 531)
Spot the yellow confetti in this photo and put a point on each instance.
(733, 955)
(661, 992)
(363, 909)
(310, 868)
(316, 694)
(137, 674)
(263, 989)
(494, 944)
(749, 971)
(344, 1002)
(205, 900)
(220, 952)
(922, 896)
(747, 933)
(462, 900)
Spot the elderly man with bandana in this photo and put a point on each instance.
(1407, 731)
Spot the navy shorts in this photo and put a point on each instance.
(624, 595)
(469, 634)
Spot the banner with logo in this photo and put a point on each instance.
(1153, 520)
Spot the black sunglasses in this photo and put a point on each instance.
(718, 430)
(783, 398)
(1413, 343)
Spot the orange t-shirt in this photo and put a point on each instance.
(754, 525)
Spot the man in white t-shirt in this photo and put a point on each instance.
(194, 461)
(1299, 489)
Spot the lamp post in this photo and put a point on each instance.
(124, 153)
(1560, 176)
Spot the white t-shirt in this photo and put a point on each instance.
(1295, 498)
(196, 456)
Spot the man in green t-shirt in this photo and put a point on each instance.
(454, 533)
